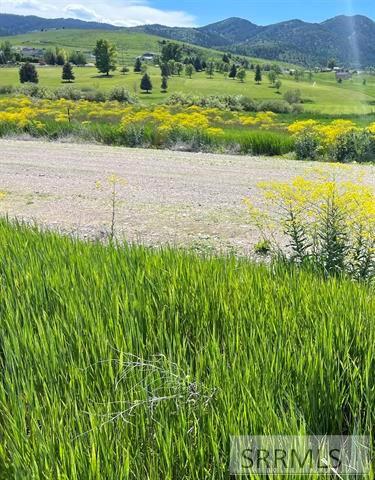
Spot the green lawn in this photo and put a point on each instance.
(326, 96)
(138, 364)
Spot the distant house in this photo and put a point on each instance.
(148, 56)
(31, 52)
(343, 75)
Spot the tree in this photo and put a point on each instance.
(171, 66)
(138, 65)
(77, 58)
(241, 75)
(258, 75)
(28, 73)
(164, 84)
(331, 63)
(67, 72)
(210, 69)
(171, 51)
(226, 58)
(164, 69)
(197, 64)
(233, 72)
(179, 67)
(272, 77)
(146, 83)
(105, 55)
(189, 69)
(124, 70)
(60, 56)
(278, 85)
(50, 57)
(6, 52)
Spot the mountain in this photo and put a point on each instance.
(350, 40)
(231, 30)
(189, 35)
(18, 24)
(294, 41)
(358, 37)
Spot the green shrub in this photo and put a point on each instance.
(68, 93)
(293, 96)
(133, 136)
(307, 146)
(233, 103)
(248, 104)
(276, 106)
(96, 96)
(6, 89)
(34, 91)
(354, 146)
(120, 94)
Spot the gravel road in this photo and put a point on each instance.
(171, 197)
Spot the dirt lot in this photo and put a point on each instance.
(170, 197)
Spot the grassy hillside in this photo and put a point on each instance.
(131, 363)
(129, 43)
(323, 95)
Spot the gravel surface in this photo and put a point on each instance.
(171, 197)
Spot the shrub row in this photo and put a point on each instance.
(70, 93)
(350, 146)
(233, 103)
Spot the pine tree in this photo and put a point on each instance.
(197, 64)
(67, 72)
(146, 83)
(105, 55)
(164, 84)
(138, 66)
(233, 72)
(258, 74)
(28, 73)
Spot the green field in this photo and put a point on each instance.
(326, 96)
(321, 95)
(125, 362)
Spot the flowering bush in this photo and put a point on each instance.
(328, 222)
(340, 140)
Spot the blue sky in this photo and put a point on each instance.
(188, 12)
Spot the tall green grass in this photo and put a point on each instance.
(254, 142)
(260, 142)
(193, 349)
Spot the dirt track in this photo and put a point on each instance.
(180, 198)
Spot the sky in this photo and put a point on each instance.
(188, 13)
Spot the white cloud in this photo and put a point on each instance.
(79, 11)
(118, 12)
(32, 5)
